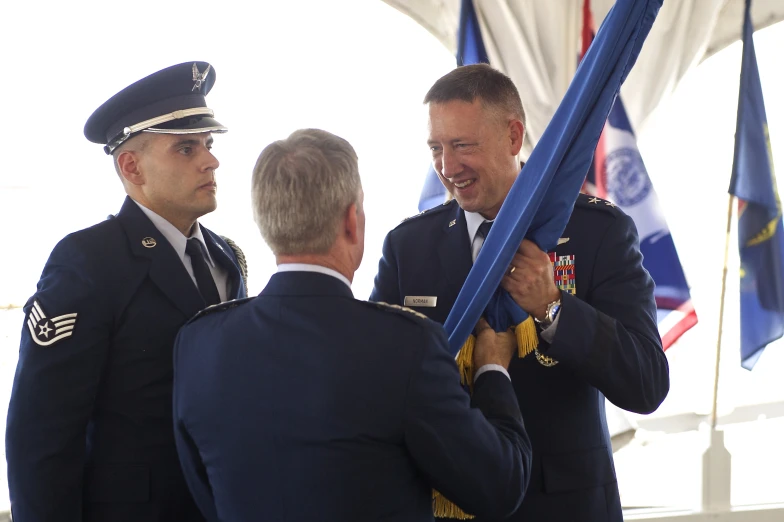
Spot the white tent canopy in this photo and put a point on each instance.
(537, 44)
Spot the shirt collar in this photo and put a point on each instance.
(175, 238)
(473, 221)
(304, 267)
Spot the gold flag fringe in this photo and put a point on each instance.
(443, 508)
(465, 362)
(527, 339)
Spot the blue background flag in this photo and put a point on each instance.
(433, 191)
(470, 50)
(470, 45)
(760, 233)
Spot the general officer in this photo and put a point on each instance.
(306, 404)
(89, 433)
(597, 325)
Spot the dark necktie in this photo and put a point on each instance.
(201, 271)
(484, 229)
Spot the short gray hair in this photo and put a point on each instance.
(301, 189)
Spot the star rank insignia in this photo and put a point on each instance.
(596, 201)
(563, 272)
(46, 331)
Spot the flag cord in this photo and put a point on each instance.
(714, 416)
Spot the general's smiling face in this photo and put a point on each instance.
(474, 153)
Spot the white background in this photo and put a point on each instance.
(359, 68)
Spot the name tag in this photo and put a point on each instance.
(428, 301)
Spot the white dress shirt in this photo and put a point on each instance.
(473, 221)
(304, 267)
(178, 241)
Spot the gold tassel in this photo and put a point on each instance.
(443, 508)
(527, 340)
(465, 362)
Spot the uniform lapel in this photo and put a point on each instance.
(454, 249)
(226, 261)
(166, 268)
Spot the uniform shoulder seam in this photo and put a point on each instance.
(429, 212)
(220, 307)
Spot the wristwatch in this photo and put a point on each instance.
(550, 314)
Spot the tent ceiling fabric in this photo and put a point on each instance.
(537, 43)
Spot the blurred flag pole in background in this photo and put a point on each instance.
(761, 250)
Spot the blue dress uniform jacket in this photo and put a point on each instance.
(89, 434)
(606, 344)
(305, 404)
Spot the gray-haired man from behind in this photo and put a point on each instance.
(324, 407)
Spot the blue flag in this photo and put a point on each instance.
(470, 46)
(470, 50)
(541, 200)
(433, 191)
(760, 234)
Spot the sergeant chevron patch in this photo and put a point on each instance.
(45, 331)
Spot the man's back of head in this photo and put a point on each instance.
(307, 199)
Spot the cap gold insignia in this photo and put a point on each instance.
(452, 223)
(199, 78)
(149, 242)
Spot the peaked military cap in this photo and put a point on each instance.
(170, 101)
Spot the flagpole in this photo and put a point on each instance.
(714, 416)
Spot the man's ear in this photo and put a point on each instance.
(516, 136)
(128, 166)
(350, 224)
